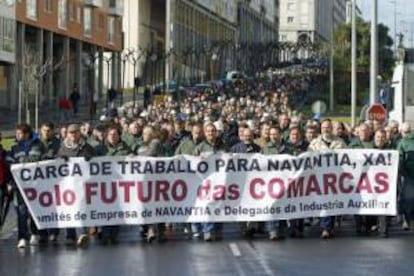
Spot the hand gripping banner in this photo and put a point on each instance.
(210, 188)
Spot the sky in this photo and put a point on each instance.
(404, 18)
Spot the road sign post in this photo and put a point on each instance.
(376, 112)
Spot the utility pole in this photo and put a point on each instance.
(331, 63)
(354, 66)
(374, 51)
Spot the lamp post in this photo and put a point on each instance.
(124, 58)
(107, 60)
(134, 58)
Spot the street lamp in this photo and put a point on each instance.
(108, 61)
(134, 57)
(89, 62)
(124, 59)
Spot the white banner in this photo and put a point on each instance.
(214, 188)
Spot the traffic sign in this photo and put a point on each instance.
(377, 112)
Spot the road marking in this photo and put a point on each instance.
(235, 249)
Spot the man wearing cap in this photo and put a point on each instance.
(76, 146)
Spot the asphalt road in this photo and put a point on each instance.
(347, 254)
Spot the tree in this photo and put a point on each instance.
(33, 72)
(342, 58)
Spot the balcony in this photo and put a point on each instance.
(116, 7)
(94, 3)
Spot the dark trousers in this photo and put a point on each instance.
(327, 223)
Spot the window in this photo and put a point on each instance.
(48, 6)
(87, 21)
(78, 15)
(63, 14)
(8, 29)
(72, 11)
(290, 6)
(290, 19)
(31, 9)
(101, 22)
(111, 29)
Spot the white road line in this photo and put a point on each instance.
(235, 249)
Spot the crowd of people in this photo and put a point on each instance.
(241, 117)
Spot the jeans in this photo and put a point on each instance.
(208, 227)
(23, 216)
(276, 225)
(22, 220)
(327, 223)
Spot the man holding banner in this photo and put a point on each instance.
(325, 142)
(211, 144)
(27, 149)
(113, 146)
(276, 145)
(296, 146)
(76, 146)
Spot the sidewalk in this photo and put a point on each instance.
(9, 119)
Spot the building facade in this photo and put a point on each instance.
(178, 39)
(349, 11)
(67, 40)
(310, 20)
(258, 24)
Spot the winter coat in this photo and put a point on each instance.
(297, 149)
(207, 147)
(358, 144)
(320, 144)
(31, 150)
(107, 149)
(272, 148)
(245, 148)
(187, 146)
(406, 151)
(83, 149)
(51, 147)
(153, 149)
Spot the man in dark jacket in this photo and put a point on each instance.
(295, 146)
(27, 149)
(380, 142)
(276, 145)
(179, 133)
(75, 146)
(406, 151)
(52, 145)
(247, 145)
(363, 141)
(113, 146)
(210, 145)
(189, 144)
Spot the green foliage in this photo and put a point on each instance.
(342, 59)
